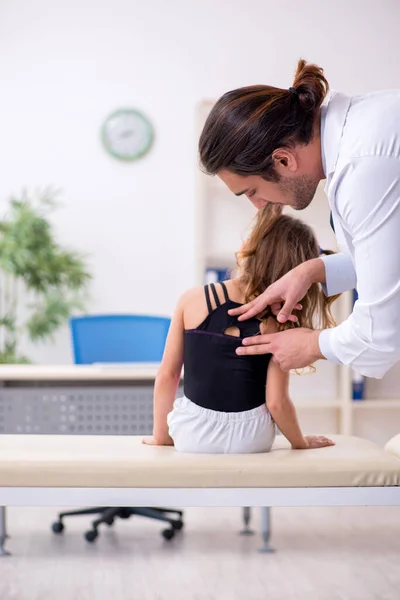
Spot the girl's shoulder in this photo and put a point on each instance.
(191, 300)
(191, 295)
(193, 307)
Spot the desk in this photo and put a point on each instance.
(77, 399)
(71, 373)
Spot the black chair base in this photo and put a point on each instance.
(107, 515)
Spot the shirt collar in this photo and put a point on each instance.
(333, 118)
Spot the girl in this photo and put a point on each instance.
(232, 403)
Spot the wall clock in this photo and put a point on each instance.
(127, 134)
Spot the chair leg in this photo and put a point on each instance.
(83, 511)
(153, 514)
(3, 531)
(58, 526)
(108, 516)
(157, 514)
(173, 511)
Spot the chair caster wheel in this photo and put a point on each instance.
(91, 535)
(168, 534)
(58, 527)
(177, 525)
(110, 522)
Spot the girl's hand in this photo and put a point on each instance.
(317, 441)
(152, 441)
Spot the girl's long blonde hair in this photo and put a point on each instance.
(277, 244)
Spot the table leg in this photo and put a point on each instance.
(3, 531)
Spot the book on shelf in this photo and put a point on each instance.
(214, 275)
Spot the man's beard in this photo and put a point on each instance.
(299, 191)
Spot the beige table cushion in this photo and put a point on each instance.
(118, 461)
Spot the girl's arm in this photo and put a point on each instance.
(281, 407)
(167, 379)
(283, 410)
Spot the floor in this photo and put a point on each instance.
(321, 554)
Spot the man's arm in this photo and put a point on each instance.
(368, 201)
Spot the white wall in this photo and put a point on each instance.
(65, 65)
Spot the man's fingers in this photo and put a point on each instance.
(276, 307)
(251, 350)
(255, 307)
(240, 310)
(257, 340)
(286, 310)
(253, 310)
(258, 344)
(293, 318)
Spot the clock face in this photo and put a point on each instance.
(127, 134)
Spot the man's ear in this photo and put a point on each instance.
(284, 160)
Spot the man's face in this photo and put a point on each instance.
(296, 191)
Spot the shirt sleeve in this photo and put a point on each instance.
(339, 274)
(367, 200)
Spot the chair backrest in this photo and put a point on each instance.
(118, 338)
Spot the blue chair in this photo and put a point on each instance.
(120, 339)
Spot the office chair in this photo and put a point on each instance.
(119, 339)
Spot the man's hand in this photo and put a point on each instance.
(292, 349)
(152, 441)
(284, 295)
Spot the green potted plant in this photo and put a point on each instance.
(41, 283)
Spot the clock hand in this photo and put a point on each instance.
(126, 134)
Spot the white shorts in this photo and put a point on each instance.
(196, 429)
